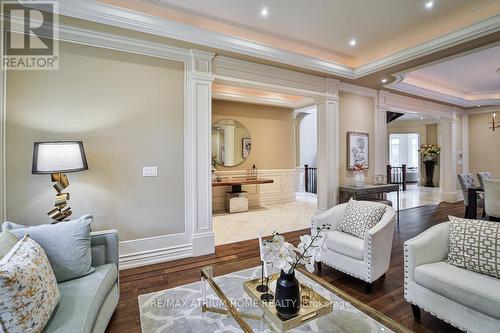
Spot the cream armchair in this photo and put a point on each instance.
(366, 259)
(467, 300)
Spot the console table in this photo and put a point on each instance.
(237, 200)
(236, 183)
(347, 192)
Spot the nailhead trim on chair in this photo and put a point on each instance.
(343, 271)
(369, 259)
(438, 316)
(406, 257)
(406, 273)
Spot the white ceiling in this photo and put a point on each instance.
(323, 28)
(330, 24)
(466, 80)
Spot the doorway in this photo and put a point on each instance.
(271, 128)
(406, 134)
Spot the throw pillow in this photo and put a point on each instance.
(474, 245)
(67, 245)
(28, 288)
(7, 242)
(359, 217)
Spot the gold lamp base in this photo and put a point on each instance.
(60, 211)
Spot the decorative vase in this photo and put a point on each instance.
(429, 172)
(287, 295)
(359, 179)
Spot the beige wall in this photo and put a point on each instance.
(356, 114)
(128, 110)
(271, 129)
(484, 145)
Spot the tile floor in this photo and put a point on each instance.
(230, 228)
(416, 196)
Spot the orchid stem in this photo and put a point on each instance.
(307, 248)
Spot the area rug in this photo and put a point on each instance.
(178, 310)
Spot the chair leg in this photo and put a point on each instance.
(368, 287)
(484, 213)
(319, 266)
(466, 211)
(416, 312)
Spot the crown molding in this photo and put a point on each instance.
(120, 17)
(400, 85)
(398, 103)
(488, 109)
(106, 14)
(463, 35)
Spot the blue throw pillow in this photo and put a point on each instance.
(67, 245)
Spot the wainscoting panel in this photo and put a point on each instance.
(280, 191)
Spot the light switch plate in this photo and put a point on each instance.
(150, 171)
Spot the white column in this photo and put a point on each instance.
(448, 159)
(199, 120)
(229, 145)
(380, 139)
(465, 142)
(328, 147)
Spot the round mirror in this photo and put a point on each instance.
(231, 142)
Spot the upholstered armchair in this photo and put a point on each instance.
(464, 299)
(481, 176)
(366, 259)
(492, 198)
(466, 181)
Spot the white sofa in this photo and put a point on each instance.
(366, 259)
(467, 300)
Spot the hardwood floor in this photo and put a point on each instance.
(387, 295)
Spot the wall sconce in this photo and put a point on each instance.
(493, 122)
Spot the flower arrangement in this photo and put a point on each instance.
(359, 167)
(285, 256)
(429, 152)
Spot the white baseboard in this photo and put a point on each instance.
(202, 242)
(155, 256)
(450, 197)
(153, 250)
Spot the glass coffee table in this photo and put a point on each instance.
(223, 294)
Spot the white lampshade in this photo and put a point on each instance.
(58, 156)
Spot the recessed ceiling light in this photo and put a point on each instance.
(384, 80)
(264, 12)
(479, 105)
(429, 4)
(353, 42)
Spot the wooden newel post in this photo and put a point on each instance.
(306, 177)
(389, 172)
(404, 176)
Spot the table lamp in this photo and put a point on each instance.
(57, 158)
